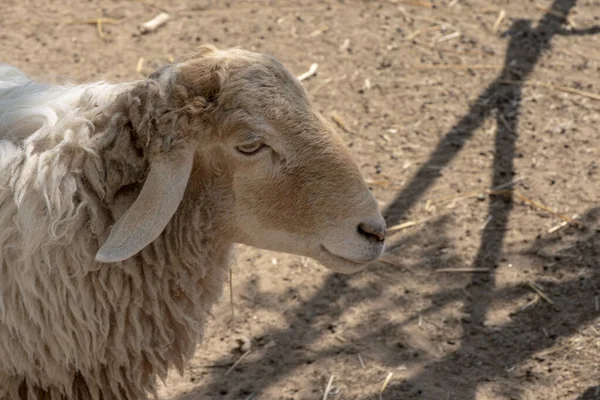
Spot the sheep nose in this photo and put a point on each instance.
(372, 231)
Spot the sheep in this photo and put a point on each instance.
(120, 205)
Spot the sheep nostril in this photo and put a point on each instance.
(372, 232)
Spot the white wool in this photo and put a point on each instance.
(71, 327)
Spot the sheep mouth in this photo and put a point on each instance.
(344, 259)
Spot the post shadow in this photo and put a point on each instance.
(525, 48)
(593, 393)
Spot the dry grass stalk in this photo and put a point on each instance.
(99, 29)
(385, 383)
(551, 350)
(558, 227)
(499, 20)
(339, 121)
(154, 23)
(98, 22)
(409, 18)
(318, 32)
(554, 87)
(467, 195)
(239, 360)
(534, 204)
(322, 85)
(508, 184)
(95, 21)
(418, 3)
(532, 302)
(290, 305)
(527, 305)
(140, 65)
(597, 303)
(429, 207)
(449, 37)
(414, 34)
(340, 338)
(475, 193)
(458, 66)
(311, 71)
(328, 388)
(510, 192)
(383, 183)
(545, 330)
(405, 225)
(505, 122)
(417, 32)
(573, 91)
(486, 222)
(501, 190)
(210, 366)
(462, 270)
(231, 295)
(362, 363)
(536, 288)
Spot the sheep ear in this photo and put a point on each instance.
(158, 200)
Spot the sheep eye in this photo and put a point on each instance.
(249, 149)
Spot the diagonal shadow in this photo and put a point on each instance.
(524, 51)
(525, 48)
(485, 356)
(512, 354)
(312, 321)
(491, 353)
(593, 393)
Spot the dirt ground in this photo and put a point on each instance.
(438, 102)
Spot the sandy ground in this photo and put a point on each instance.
(438, 102)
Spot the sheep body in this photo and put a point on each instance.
(120, 203)
(71, 327)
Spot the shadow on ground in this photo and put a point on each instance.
(484, 353)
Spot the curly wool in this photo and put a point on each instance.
(71, 328)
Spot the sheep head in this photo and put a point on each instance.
(242, 119)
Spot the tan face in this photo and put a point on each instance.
(281, 179)
(295, 186)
